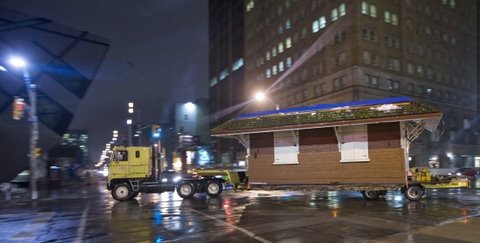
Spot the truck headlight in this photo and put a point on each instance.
(177, 179)
(164, 180)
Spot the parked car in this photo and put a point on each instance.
(470, 172)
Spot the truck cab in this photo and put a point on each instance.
(134, 170)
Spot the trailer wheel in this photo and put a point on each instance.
(214, 188)
(185, 190)
(371, 195)
(122, 192)
(414, 192)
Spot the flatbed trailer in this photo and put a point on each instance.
(414, 189)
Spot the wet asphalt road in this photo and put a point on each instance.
(81, 213)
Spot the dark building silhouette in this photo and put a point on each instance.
(227, 68)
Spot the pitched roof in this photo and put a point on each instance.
(328, 115)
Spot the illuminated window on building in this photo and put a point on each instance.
(373, 10)
(274, 52)
(364, 8)
(280, 30)
(452, 4)
(429, 91)
(237, 64)
(274, 70)
(288, 24)
(268, 73)
(213, 81)
(394, 19)
(420, 70)
(281, 66)
(334, 14)
(322, 22)
(289, 62)
(223, 74)
(388, 17)
(250, 5)
(288, 42)
(280, 47)
(341, 10)
(315, 26)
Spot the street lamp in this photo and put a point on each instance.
(130, 107)
(129, 123)
(260, 97)
(21, 64)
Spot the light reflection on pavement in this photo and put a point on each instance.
(248, 216)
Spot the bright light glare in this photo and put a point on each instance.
(189, 106)
(18, 62)
(259, 96)
(3, 69)
(129, 121)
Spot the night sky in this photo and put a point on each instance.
(158, 56)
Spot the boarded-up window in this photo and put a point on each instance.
(285, 147)
(353, 143)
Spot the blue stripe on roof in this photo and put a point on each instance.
(327, 106)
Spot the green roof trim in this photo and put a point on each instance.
(327, 118)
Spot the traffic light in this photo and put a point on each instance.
(38, 153)
(156, 131)
(18, 108)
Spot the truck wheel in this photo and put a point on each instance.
(371, 195)
(122, 192)
(185, 190)
(414, 192)
(214, 188)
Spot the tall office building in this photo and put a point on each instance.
(324, 51)
(226, 62)
(77, 138)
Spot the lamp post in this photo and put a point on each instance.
(32, 118)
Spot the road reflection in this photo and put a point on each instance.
(163, 217)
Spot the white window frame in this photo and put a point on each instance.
(286, 147)
(353, 143)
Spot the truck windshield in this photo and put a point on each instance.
(120, 155)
